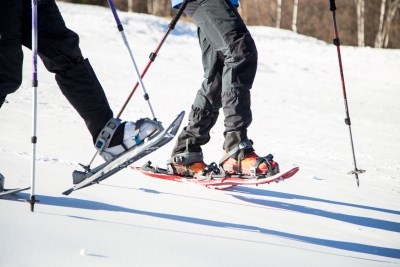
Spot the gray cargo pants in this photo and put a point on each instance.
(229, 58)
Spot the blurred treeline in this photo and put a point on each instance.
(374, 23)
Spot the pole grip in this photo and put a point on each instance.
(333, 6)
(178, 15)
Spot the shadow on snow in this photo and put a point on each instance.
(362, 221)
(93, 205)
(267, 193)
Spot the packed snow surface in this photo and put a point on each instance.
(317, 218)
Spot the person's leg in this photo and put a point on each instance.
(58, 47)
(59, 50)
(205, 108)
(227, 34)
(187, 157)
(2, 100)
(11, 55)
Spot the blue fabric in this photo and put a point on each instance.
(177, 3)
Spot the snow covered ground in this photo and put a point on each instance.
(317, 218)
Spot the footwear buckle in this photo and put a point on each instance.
(135, 137)
(100, 143)
(243, 145)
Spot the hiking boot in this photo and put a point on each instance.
(133, 134)
(247, 165)
(187, 164)
(188, 170)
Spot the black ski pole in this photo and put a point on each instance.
(32, 199)
(152, 57)
(154, 54)
(336, 42)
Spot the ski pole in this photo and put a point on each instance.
(121, 30)
(336, 42)
(152, 57)
(146, 96)
(32, 199)
(154, 54)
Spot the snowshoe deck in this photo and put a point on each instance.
(13, 191)
(218, 182)
(176, 178)
(107, 169)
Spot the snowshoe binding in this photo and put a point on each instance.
(248, 165)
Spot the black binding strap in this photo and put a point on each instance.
(243, 145)
(266, 160)
(208, 171)
(186, 158)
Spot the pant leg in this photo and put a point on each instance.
(205, 109)
(11, 56)
(2, 100)
(230, 64)
(226, 32)
(58, 47)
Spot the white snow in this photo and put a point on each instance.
(317, 218)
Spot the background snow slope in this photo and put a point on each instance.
(318, 218)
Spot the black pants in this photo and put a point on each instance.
(58, 47)
(229, 58)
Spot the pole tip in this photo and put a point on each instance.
(32, 201)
